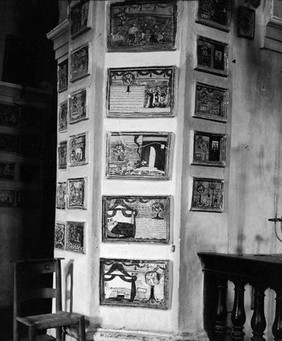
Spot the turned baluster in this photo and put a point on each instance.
(238, 316)
(258, 322)
(277, 325)
(221, 310)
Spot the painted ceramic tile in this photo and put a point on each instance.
(215, 13)
(7, 170)
(7, 197)
(136, 218)
(211, 102)
(142, 25)
(209, 149)
(140, 155)
(63, 116)
(75, 236)
(77, 193)
(79, 63)
(77, 150)
(212, 56)
(77, 106)
(62, 155)
(59, 235)
(9, 115)
(61, 195)
(30, 145)
(63, 75)
(246, 22)
(79, 11)
(30, 173)
(207, 195)
(8, 143)
(139, 283)
(141, 92)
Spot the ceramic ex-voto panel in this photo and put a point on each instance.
(136, 283)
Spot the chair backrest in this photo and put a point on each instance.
(33, 280)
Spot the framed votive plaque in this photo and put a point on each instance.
(9, 115)
(138, 155)
(209, 149)
(78, 150)
(142, 25)
(135, 283)
(8, 143)
(79, 63)
(59, 235)
(75, 235)
(246, 22)
(79, 17)
(77, 193)
(212, 56)
(215, 13)
(7, 170)
(207, 195)
(62, 155)
(136, 218)
(8, 197)
(211, 102)
(63, 116)
(141, 92)
(63, 70)
(77, 106)
(61, 195)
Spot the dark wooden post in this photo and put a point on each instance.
(238, 316)
(221, 310)
(277, 325)
(258, 322)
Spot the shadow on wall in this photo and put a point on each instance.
(69, 287)
(68, 281)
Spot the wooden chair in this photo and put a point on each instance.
(33, 280)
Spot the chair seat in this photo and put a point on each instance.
(46, 321)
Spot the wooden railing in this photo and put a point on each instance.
(261, 272)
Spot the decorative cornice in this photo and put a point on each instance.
(273, 35)
(17, 87)
(59, 30)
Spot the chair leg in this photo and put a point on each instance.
(31, 333)
(82, 329)
(64, 332)
(59, 334)
(15, 331)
